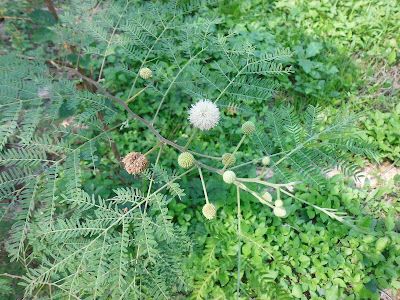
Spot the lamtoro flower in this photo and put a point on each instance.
(204, 114)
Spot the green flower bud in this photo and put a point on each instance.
(186, 160)
(209, 211)
(248, 128)
(266, 160)
(267, 197)
(145, 73)
(229, 176)
(279, 211)
(228, 157)
(278, 203)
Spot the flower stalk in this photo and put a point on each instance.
(191, 138)
(234, 152)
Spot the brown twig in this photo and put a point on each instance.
(12, 276)
(51, 8)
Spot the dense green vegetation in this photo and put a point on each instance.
(345, 60)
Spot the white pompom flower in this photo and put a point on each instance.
(204, 114)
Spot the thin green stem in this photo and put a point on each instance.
(204, 186)
(274, 185)
(191, 138)
(239, 243)
(245, 188)
(154, 148)
(262, 172)
(234, 152)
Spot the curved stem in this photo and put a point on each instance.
(191, 138)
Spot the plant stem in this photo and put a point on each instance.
(204, 186)
(245, 188)
(234, 152)
(137, 94)
(154, 148)
(191, 138)
(262, 173)
(239, 242)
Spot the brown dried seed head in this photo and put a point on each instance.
(135, 163)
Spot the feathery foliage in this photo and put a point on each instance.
(75, 244)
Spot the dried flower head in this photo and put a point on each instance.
(204, 114)
(248, 128)
(229, 159)
(135, 163)
(229, 176)
(209, 211)
(145, 73)
(280, 211)
(186, 160)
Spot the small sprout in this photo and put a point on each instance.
(267, 197)
(229, 159)
(209, 211)
(248, 128)
(186, 160)
(204, 114)
(266, 160)
(229, 176)
(278, 203)
(145, 73)
(280, 211)
(135, 163)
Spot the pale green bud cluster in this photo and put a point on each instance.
(209, 211)
(266, 160)
(229, 159)
(229, 177)
(267, 197)
(280, 212)
(248, 128)
(145, 73)
(186, 160)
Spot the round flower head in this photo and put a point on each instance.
(279, 211)
(267, 197)
(186, 160)
(229, 176)
(248, 128)
(209, 211)
(145, 73)
(278, 203)
(229, 159)
(135, 163)
(266, 160)
(204, 114)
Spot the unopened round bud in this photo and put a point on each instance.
(186, 160)
(266, 160)
(278, 203)
(209, 211)
(229, 159)
(248, 128)
(145, 73)
(279, 211)
(229, 176)
(135, 163)
(267, 197)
